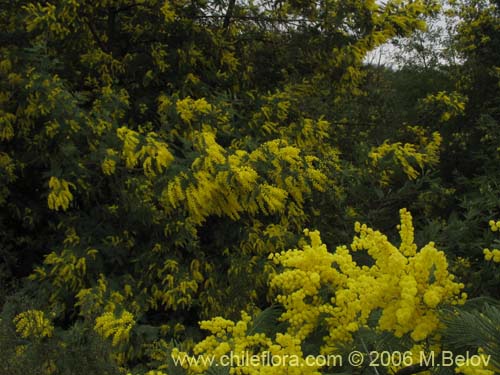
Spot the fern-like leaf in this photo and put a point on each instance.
(267, 321)
(472, 329)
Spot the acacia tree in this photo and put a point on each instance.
(154, 153)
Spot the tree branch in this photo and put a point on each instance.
(98, 40)
(229, 14)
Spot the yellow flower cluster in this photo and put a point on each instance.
(175, 294)
(450, 105)
(108, 165)
(408, 155)
(33, 323)
(60, 196)
(466, 367)
(91, 300)
(153, 153)
(331, 290)
(66, 269)
(155, 372)
(239, 339)
(188, 108)
(404, 284)
(157, 152)
(130, 140)
(229, 184)
(109, 325)
(494, 254)
(278, 117)
(57, 19)
(494, 225)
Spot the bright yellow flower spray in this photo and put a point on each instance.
(320, 288)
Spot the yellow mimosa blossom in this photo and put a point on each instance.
(33, 323)
(109, 325)
(318, 288)
(475, 366)
(494, 254)
(60, 196)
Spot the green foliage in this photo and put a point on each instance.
(472, 328)
(75, 350)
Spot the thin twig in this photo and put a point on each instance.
(367, 352)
